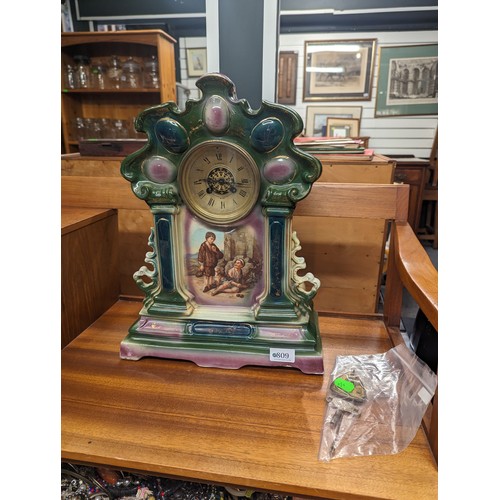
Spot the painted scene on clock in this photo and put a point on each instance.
(224, 265)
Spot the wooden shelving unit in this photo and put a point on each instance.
(122, 104)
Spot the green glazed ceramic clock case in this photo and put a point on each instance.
(221, 282)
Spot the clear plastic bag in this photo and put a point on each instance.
(375, 403)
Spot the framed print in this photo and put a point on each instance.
(338, 70)
(342, 127)
(316, 117)
(407, 81)
(287, 77)
(196, 61)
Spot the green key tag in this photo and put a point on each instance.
(348, 386)
(344, 385)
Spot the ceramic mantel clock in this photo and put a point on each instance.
(222, 285)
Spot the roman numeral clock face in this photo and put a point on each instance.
(219, 182)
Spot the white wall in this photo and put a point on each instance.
(190, 43)
(395, 135)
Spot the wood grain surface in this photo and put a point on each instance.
(73, 218)
(89, 267)
(417, 272)
(254, 427)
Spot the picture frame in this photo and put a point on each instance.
(338, 70)
(341, 128)
(196, 61)
(407, 81)
(287, 77)
(316, 117)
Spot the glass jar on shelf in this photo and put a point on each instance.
(131, 74)
(97, 128)
(98, 76)
(151, 73)
(82, 72)
(105, 128)
(88, 123)
(69, 77)
(114, 72)
(119, 129)
(80, 129)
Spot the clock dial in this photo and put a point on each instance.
(219, 182)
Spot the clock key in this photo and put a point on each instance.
(347, 395)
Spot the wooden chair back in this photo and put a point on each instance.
(350, 265)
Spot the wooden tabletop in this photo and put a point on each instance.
(254, 427)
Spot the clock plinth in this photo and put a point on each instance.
(225, 344)
(222, 285)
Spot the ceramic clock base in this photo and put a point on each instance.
(226, 345)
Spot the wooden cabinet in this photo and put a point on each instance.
(412, 171)
(110, 103)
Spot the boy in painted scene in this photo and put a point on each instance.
(208, 256)
(233, 282)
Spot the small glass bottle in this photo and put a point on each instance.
(82, 72)
(69, 77)
(151, 73)
(114, 72)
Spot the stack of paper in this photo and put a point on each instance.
(327, 145)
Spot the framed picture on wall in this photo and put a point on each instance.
(316, 117)
(287, 77)
(342, 127)
(338, 70)
(196, 61)
(407, 81)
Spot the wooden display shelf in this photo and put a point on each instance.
(123, 104)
